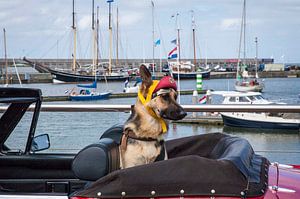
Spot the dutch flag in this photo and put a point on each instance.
(203, 100)
(173, 53)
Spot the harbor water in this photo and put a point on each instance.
(71, 131)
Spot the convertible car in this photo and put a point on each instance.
(205, 166)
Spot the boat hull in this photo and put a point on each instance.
(205, 75)
(248, 88)
(70, 77)
(238, 120)
(101, 96)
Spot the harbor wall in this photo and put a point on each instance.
(47, 78)
(135, 63)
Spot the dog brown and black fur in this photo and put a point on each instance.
(142, 140)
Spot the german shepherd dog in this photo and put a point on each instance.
(142, 140)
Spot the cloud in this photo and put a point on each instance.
(230, 23)
(39, 22)
(130, 19)
(85, 22)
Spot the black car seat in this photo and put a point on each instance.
(98, 159)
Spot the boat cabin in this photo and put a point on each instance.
(233, 97)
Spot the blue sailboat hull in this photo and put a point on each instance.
(100, 96)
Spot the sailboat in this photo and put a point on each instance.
(185, 69)
(82, 74)
(244, 82)
(88, 91)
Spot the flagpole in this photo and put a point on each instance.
(160, 59)
(178, 57)
(153, 42)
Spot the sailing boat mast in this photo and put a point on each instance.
(97, 43)
(94, 49)
(117, 43)
(110, 35)
(194, 40)
(5, 57)
(256, 57)
(74, 34)
(244, 17)
(243, 26)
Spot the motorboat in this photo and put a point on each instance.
(254, 120)
(132, 88)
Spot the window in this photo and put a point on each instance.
(252, 98)
(232, 99)
(18, 138)
(243, 99)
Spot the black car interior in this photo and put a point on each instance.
(223, 159)
(26, 171)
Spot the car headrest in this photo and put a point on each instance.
(97, 160)
(115, 133)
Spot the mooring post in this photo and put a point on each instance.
(195, 101)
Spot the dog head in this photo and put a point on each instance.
(162, 96)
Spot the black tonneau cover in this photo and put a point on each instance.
(197, 165)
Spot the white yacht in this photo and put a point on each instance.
(254, 120)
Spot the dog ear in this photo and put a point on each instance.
(146, 76)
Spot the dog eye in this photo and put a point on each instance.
(175, 96)
(165, 96)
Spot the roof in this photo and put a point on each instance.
(18, 101)
(234, 93)
(7, 93)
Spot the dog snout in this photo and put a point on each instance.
(182, 114)
(179, 114)
(174, 114)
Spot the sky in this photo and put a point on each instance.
(42, 28)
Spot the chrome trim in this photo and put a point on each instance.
(280, 189)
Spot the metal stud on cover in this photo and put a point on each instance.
(181, 193)
(243, 194)
(212, 192)
(152, 194)
(123, 193)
